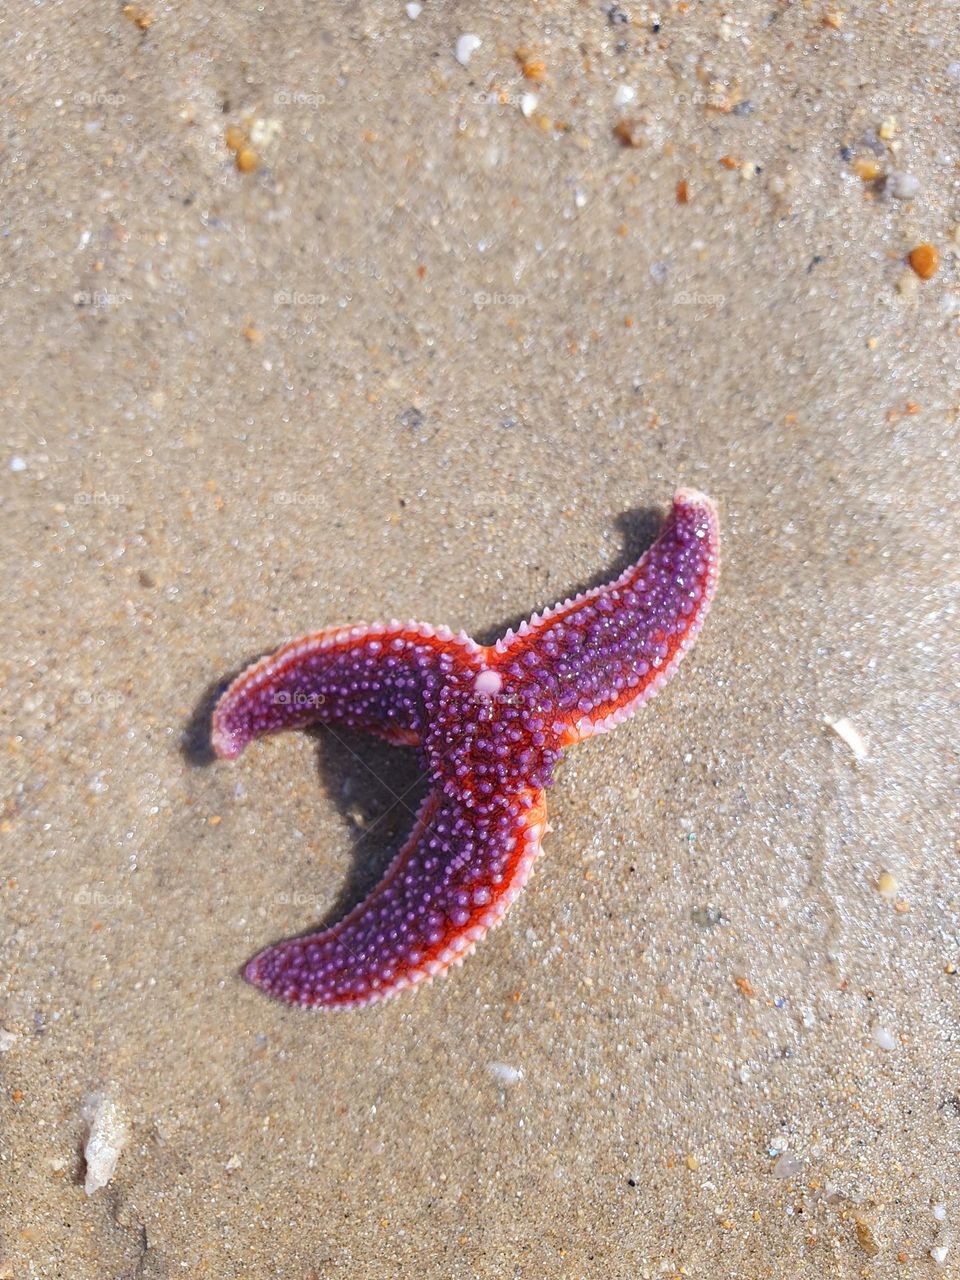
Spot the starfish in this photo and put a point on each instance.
(490, 723)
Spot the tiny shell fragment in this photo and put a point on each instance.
(846, 732)
(106, 1135)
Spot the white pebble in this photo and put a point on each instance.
(884, 1039)
(414, 10)
(17, 464)
(579, 197)
(624, 94)
(504, 1074)
(7, 1040)
(528, 104)
(939, 1254)
(466, 47)
(901, 185)
(940, 1212)
(106, 1135)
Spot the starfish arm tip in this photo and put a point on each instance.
(226, 746)
(689, 497)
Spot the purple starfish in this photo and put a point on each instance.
(490, 723)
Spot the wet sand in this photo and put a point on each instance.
(306, 322)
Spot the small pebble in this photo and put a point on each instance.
(867, 168)
(939, 1254)
(887, 885)
(7, 1040)
(534, 69)
(17, 464)
(528, 104)
(141, 18)
(940, 1212)
(627, 133)
(624, 95)
(925, 259)
(884, 1039)
(466, 47)
(902, 185)
(787, 1166)
(866, 1239)
(414, 10)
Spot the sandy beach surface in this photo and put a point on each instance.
(305, 321)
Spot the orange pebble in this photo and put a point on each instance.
(627, 133)
(925, 259)
(867, 168)
(234, 137)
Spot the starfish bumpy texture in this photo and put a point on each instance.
(490, 723)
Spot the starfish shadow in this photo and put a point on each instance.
(377, 789)
(639, 528)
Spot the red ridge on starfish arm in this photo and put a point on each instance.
(490, 724)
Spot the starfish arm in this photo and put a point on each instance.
(452, 880)
(373, 678)
(599, 657)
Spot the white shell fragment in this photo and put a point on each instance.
(505, 1074)
(106, 1135)
(466, 47)
(847, 733)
